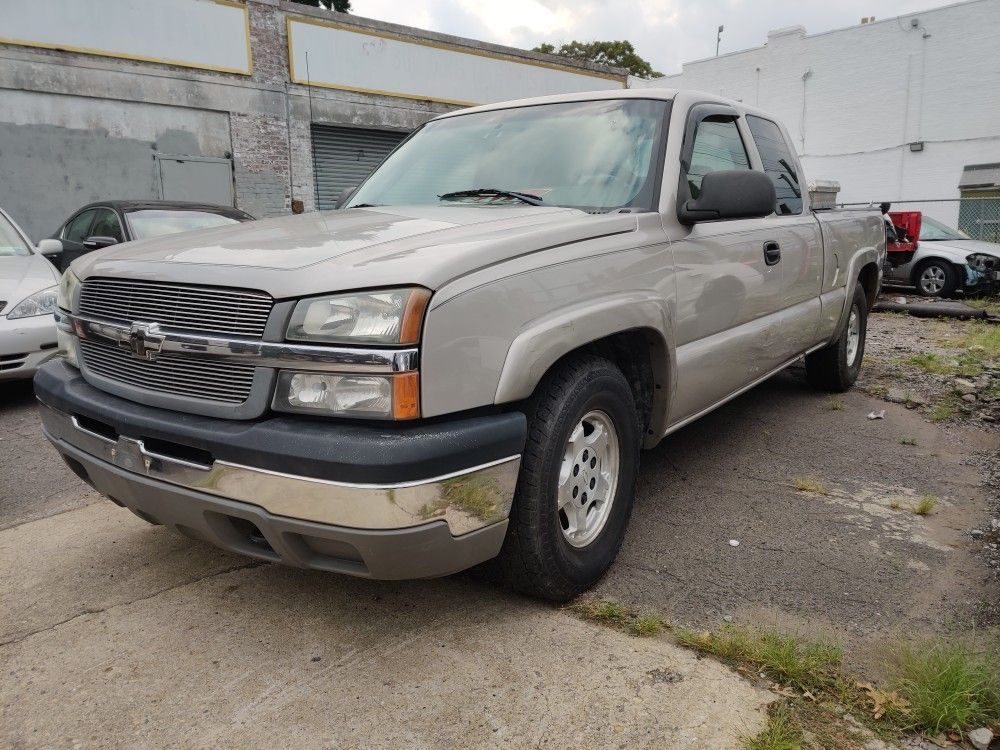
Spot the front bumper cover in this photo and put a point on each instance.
(445, 493)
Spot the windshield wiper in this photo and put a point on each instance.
(473, 192)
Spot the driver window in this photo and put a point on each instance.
(78, 229)
(717, 147)
(107, 225)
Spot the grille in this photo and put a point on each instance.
(190, 308)
(223, 382)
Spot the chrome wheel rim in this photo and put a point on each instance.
(932, 280)
(853, 336)
(588, 478)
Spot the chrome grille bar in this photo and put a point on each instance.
(191, 308)
(182, 376)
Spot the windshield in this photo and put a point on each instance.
(934, 230)
(597, 155)
(11, 242)
(158, 222)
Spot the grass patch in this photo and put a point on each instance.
(931, 363)
(990, 304)
(788, 659)
(945, 408)
(647, 625)
(781, 732)
(946, 686)
(907, 441)
(932, 686)
(925, 506)
(618, 616)
(805, 484)
(835, 404)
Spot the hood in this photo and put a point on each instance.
(295, 256)
(957, 250)
(23, 275)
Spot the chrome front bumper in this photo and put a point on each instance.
(467, 501)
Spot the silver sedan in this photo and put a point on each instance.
(28, 288)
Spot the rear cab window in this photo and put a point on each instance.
(779, 164)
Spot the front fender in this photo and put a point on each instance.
(546, 340)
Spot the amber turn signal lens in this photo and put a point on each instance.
(413, 316)
(406, 396)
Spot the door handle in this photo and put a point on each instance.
(772, 252)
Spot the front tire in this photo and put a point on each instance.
(835, 368)
(935, 278)
(575, 490)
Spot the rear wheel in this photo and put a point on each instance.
(836, 366)
(575, 490)
(935, 278)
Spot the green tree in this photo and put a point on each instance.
(341, 6)
(617, 54)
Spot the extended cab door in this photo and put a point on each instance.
(729, 280)
(797, 234)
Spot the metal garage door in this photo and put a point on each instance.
(343, 157)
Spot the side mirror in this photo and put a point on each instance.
(48, 248)
(345, 195)
(96, 243)
(735, 194)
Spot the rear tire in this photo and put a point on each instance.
(935, 278)
(575, 490)
(835, 368)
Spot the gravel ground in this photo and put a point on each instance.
(898, 369)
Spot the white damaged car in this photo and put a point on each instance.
(28, 289)
(947, 261)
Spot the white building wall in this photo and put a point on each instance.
(854, 99)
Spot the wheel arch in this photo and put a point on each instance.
(631, 330)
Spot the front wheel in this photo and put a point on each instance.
(575, 491)
(835, 367)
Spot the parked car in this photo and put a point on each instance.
(105, 223)
(464, 363)
(946, 261)
(28, 286)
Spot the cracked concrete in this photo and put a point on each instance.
(117, 634)
(114, 633)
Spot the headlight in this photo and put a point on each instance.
(39, 303)
(367, 396)
(983, 262)
(388, 317)
(67, 290)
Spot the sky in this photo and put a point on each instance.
(665, 32)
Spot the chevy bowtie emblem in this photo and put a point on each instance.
(143, 341)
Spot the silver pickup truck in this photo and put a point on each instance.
(464, 363)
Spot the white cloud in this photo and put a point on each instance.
(665, 32)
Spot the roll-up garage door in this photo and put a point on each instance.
(343, 157)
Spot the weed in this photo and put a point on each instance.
(945, 409)
(907, 441)
(947, 685)
(618, 616)
(804, 484)
(647, 625)
(990, 304)
(835, 404)
(931, 362)
(925, 506)
(785, 658)
(781, 732)
(894, 504)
